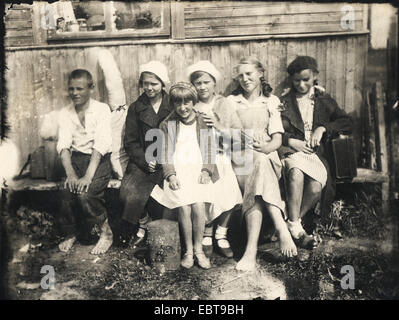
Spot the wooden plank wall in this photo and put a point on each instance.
(18, 23)
(392, 98)
(233, 18)
(36, 79)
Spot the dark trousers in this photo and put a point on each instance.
(136, 187)
(80, 213)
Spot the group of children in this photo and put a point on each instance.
(217, 154)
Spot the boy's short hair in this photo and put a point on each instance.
(81, 73)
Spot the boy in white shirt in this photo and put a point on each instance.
(84, 144)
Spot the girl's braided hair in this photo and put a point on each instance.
(266, 88)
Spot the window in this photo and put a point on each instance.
(83, 19)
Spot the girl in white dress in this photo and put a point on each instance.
(203, 75)
(189, 170)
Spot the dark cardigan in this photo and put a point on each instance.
(327, 114)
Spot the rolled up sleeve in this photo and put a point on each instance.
(64, 132)
(103, 132)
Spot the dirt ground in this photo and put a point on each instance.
(354, 234)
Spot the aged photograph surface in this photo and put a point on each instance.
(199, 150)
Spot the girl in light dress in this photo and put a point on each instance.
(203, 75)
(189, 170)
(254, 109)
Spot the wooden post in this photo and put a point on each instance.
(164, 244)
(365, 16)
(108, 16)
(39, 34)
(177, 12)
(370, 133)
(392, 125)
(381, 141)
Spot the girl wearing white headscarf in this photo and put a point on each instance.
(143, 172)
(203, 75)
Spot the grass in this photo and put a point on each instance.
(357, 213)
(124, 274)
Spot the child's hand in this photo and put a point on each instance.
(204, 177)
(299, 145)
(71, 183)
(208, 120)
(174, 183)
(316, 137)
(83, 185)
(263, 147)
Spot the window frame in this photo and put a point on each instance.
(106, 34)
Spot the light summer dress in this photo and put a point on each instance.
(260, 173)
(309, 164)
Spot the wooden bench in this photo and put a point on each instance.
(363, 176)
(44, 185)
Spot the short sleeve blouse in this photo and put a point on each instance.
(268, 104)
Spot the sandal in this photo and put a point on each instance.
(187, 261)
(207, 248)
(202, 260)
(227, 252)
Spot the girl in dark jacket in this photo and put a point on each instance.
(310, 118)
(143, 171)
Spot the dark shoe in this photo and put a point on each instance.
(126, 234)
(227, 252)
(306, 241)
(208, 249)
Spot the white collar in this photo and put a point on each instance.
(90, 108)
(309, 95)
(241, 99)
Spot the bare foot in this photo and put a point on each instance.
(67, 244)
(287, 245)
(247, 262)
(105, 241)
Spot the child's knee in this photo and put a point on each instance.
(295, 175)
(184, 210)
(315, 187)
(198, 208)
